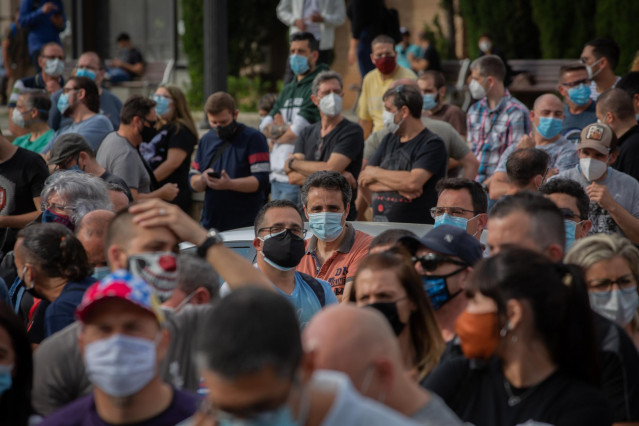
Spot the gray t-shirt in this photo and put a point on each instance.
(110, 106)
(58, 368)
(562, 152)
(436, 413)
(93, 129)
(622, 187)
(119, 157)
(456, 147)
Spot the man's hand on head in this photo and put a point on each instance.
(155, 212)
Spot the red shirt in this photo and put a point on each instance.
(342, 265)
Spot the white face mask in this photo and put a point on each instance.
(54, 67)
(485, 46)
(120, 365)
(616, 305)
(477, 91)
(331, 104)
(388, 118)
(592, 169)
(592, 74)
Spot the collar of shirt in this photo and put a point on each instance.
(344, 247)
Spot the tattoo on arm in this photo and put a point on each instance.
(274, 131)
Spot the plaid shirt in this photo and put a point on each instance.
(490, 132)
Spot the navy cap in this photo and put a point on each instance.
(449, 241)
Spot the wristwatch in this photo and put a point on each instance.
(290, 163)
(213, 238)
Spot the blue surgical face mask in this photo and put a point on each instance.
(326, 226)
(162, 104)
(100, 272)
(429, 101)
(63, 102)
(580, 95)
(85, 72)
(6, 379)
(571, 227)
(549, 127)
(619, 305)
(299, 64)
(446, 219)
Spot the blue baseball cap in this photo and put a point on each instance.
(449, 241)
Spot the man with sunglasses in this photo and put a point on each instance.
(444, 257)
(579, 111)
(547, 117)
(80, 101)
(279, 242)
(119, 153)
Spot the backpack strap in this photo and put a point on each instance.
(316, 286)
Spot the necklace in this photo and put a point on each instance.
(516, 399)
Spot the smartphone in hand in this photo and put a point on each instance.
(215, 175)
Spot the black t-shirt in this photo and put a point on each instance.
(109, 177)
(628, 148)
(477, 393)
(347, 138)
(166, 139)
(425, 151)
(21, 180)
(432, 56)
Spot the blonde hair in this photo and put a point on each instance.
(182, 114)
(595, 248)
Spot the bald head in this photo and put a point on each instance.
(92, 231)
(546, 101)
(369, 337)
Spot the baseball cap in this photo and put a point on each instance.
(66, 145)
(123, 285)
(596, 136)
(449, 241)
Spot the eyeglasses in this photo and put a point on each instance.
(453, 211)
(278, 229)
(569, 214)
(585, 81)
(53, 206)
(605, 285)
(432, 261)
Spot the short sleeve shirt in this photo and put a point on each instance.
(93, 129)
(562, 153)
(628, 149)
(452, 115)
(122, 159)
(342, 265)
(305, 301)
(36, 145)
(622, 187)
(370, 105)
(574, 123)
(21, 180)
(425, 151)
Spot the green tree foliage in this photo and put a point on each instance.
(193, 42)
(617, 19)
(508, 21)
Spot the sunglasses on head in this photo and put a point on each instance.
(432, 261)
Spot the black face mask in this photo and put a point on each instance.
(148, 133)
(226, 132)
(389, 310)
(283, 251)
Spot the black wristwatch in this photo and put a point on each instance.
(213, 238)
(290, 162)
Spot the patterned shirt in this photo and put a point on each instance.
(562, 152)
(490, 132)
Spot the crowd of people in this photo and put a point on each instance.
(519, 306)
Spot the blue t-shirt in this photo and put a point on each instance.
(110, 107)
(93, 129)
(247, 155)
(305, 300)
(60, 312)
(574, 123)
(83, 412)
(402, 54)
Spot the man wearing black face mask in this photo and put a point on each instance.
(445, 257)
(279, 241)
(231, 166)
(119, 154)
